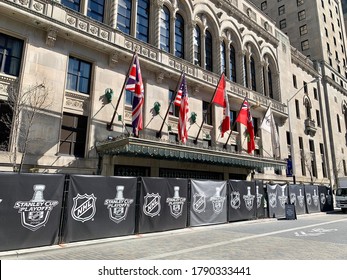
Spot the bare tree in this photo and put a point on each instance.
(25, 106)
(311, 165)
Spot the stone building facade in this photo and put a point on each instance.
(80, 50)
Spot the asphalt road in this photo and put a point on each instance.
(319, 236)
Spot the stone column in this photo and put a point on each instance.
(248, 55)
(156, 8)
(84, 7)
(172, 33)
(113, 14)
(240, 68)
(190, 42)
(133, 18)
(227, 59)
(266, 78)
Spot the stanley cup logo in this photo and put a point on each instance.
(301, 198)
(283, 198)
(249, 198)
(259, 196)
(217, 201)
(315, 198)
(176, 203)
(35, 213)
(119, 206)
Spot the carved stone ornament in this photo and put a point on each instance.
(160, 76)
(51, 37)
(113, 58)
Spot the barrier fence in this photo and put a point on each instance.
(49, 209)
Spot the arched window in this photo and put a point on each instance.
(223, 58)
(232, 64)
(165, 29)
(197, 46)
(269, 74)
(208, 51)
(179, 36)
(124, 15)
(253, 81)
(142, 28)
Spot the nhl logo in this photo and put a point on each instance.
(315, 198)
(235, 201)
(176, 203)
(151, 206)
(308, 199)
(83, 208)
(272, 200)
(118, 207)
(322, 198)
(199, 202)
(217, 201)
(293, 198)
(35, 213)
(249, 199)
(259, 197)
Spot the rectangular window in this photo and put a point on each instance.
(73, 135)
(315, 93)
(288, 138)
(233, 116)
(129, 97)
(299, 2)
(10, 55)
(207, 112)
(256, 127)
(79, 75)
(295, 82)
(174, 110)
(344, 167)
(318, 118)
(305, 87)
(124, 16)
(142, 29)
(324, 18)
(281, 10)
(72, 4)
(96, 9)
(301, 15)
(283, 24)
(334, 41)
(297, 107)
(326, 32)
(5, 125)
(263, 5)
(311, 143)
(305, 45)
(332, 27)
(303, 30)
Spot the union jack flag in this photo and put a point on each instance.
(182, 101)
(135, 85)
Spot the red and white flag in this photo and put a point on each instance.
(221, 99)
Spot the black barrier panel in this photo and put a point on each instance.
(30, 210)
(163, 204)
(326, 199)
(277, 199)
(261, 200)
(99, 207)
(312, 199)
(243, 200)
(208, 202)
(297, 197)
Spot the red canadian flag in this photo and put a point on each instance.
(221, 98)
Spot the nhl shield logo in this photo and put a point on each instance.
(176, 203)
(235, 201)
(118, 207)
(151, 206)
(322, 198)
(83, 208)
(199, 202)
(35, 213)
(273, 200)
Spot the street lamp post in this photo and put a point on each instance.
(290, 130)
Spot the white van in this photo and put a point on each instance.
(341, 194)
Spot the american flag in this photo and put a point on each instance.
(135, 85)
(182, 101)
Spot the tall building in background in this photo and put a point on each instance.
(317, 30)
(289, 55)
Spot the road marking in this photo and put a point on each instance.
(314, 232)
(222, 243)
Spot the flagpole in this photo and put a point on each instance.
(208, 108)
(109, 125)
(231, 129)
(158, 134)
